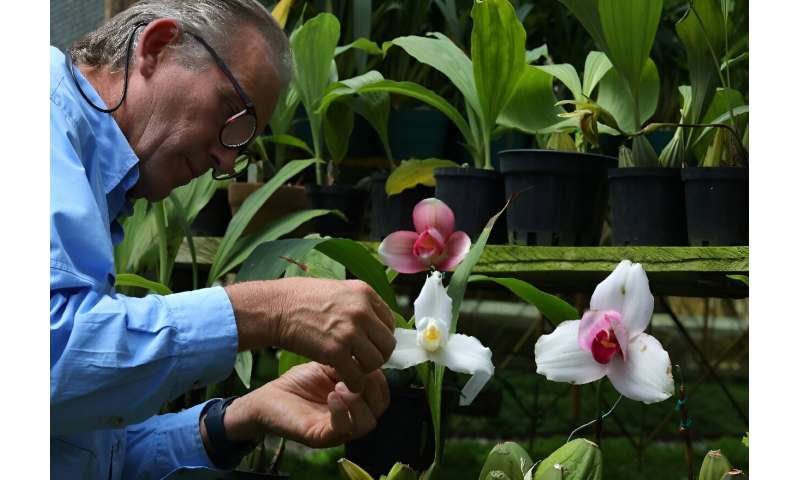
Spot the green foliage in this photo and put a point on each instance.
(552, 307)
(510, 459)
(133, 280)
(411, 173)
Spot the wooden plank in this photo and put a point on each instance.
(677, 271)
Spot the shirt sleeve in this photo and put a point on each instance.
(164, 443)
(115, 359)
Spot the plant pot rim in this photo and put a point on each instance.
(629, 172)
(468, 171)
(715, 173)
(538, 160)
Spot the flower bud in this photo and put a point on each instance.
(351, 471)
(580, 459)
(508, 458)
(714, 466)
(401, 471)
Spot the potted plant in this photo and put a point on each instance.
(489, 82)
(646, 195)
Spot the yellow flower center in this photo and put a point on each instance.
(431, 338)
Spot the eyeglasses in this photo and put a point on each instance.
(239, 129)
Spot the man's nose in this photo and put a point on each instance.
(223, 159)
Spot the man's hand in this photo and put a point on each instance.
(310, 405)
(341, 323)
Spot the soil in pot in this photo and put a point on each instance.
(348, 200)
(716, 205)
(474, 195)
(286, 199)
(392, 213)
(562, 196)
(647, 206)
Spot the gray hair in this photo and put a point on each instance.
(213, 20)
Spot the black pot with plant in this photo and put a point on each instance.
(562, 196)
(474, 195)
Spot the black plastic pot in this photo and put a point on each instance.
(562, 196)
(404, 433)
(348, 200)
(716, 205)
(390, 214)
(417, 133)
(474, 195)
(647, 206)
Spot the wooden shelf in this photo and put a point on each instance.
(678, 271)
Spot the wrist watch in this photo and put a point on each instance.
(226, 454)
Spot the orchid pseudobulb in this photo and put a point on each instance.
(434, 244)
(432, 340)
(610, 341)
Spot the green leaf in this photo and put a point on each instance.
(586, 11)
(718, 112)
(133, 280)
(283, 115)
(629, 29)
(289, 140)
(703, 37)
(742, 278)
(180, 216)
(535, 54)
(269, 261)
(287, 360)
(315, 264)
(422, 94)
(361, 264)
(362, 44)
(614, 97)
(272, 231)
(411, 173)
(596, 67)
(644, 155)
(441, 53)
(533, 106)
(498, 57)
(248, 209)
(552, 307)
(568, 76)
(337, 127)
(244, 367)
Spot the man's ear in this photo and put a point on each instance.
(153, 42)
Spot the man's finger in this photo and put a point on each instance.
(360, 414)
(367, 355)
(377, 400)
(382, 310)
(341, 424)
(350, 372)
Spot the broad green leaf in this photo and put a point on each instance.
(248, 209)
(337, 127)
(288, 140)
(272, 231)
(703, 37)
(533, 106)
(422, 94)
(441, 53)
(644, 155)
(362, 26)
(568, 76)
(287, 360)
(269, 260)
(596, 67)
(674, 153)
(133, 280)
(283, 115)
(244, 367)
(702, 142)
(181, 216)
(552, 307)
(535, 54)
(586, 11)
(315, 264)
(314, 46)
(411, 173)
(717, 112)
(498, 57)
(614, 96)
(629, 29)
(361, 264)
(362, 44)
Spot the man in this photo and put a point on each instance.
(160, 94)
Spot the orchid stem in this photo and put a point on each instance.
(598, 426)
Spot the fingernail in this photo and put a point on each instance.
(342, 388)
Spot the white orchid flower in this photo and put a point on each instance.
(610, 341)
(432, 340)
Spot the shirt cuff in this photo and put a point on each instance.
(207, 333)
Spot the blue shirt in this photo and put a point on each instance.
(114, 360)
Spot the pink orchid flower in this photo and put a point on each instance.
(433, 245)
(610, 341)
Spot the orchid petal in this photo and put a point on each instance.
(396, 252)
(594, 321)
(609, 294)
(407, 351)
(465, 354)
(646, 374)
(637, 304)
(455, 250)
(434, 213)
(433, 302)
(561, 359)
